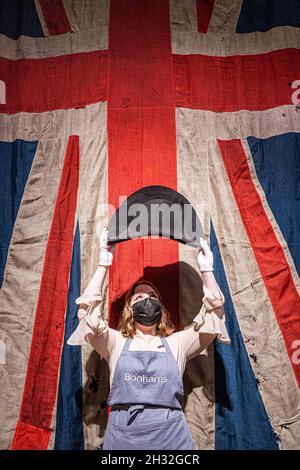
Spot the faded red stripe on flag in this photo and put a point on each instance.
(268, 252)
(204, 10)
(226, 84)
(41, 383)
(55, 16)
(63, 82)
(141, 137)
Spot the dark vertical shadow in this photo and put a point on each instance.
(95, 391)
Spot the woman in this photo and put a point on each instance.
(146, 357)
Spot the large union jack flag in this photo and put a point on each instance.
(100, 98)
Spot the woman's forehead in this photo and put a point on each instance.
(143, 288)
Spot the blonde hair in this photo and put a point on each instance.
(126, 325)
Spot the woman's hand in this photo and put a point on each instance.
(106, 252)
(205, 257)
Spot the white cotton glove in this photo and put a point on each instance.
(106, 252)
(205, 257)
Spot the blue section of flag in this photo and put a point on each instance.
(241, 421)
(262, 15)
(69, 426)
(15, 165)
(277, 164)
(19, 17)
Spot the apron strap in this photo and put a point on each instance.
(127, 344)
(166, 344)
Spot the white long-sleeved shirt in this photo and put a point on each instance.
(185, 344)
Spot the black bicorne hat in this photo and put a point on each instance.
(156, 210)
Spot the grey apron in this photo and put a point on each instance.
(146, 403)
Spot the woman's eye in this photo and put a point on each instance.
(141, 296)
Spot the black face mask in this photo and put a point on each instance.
(147, 311)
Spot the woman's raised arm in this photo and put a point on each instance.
(92, 328)
(210, 321)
